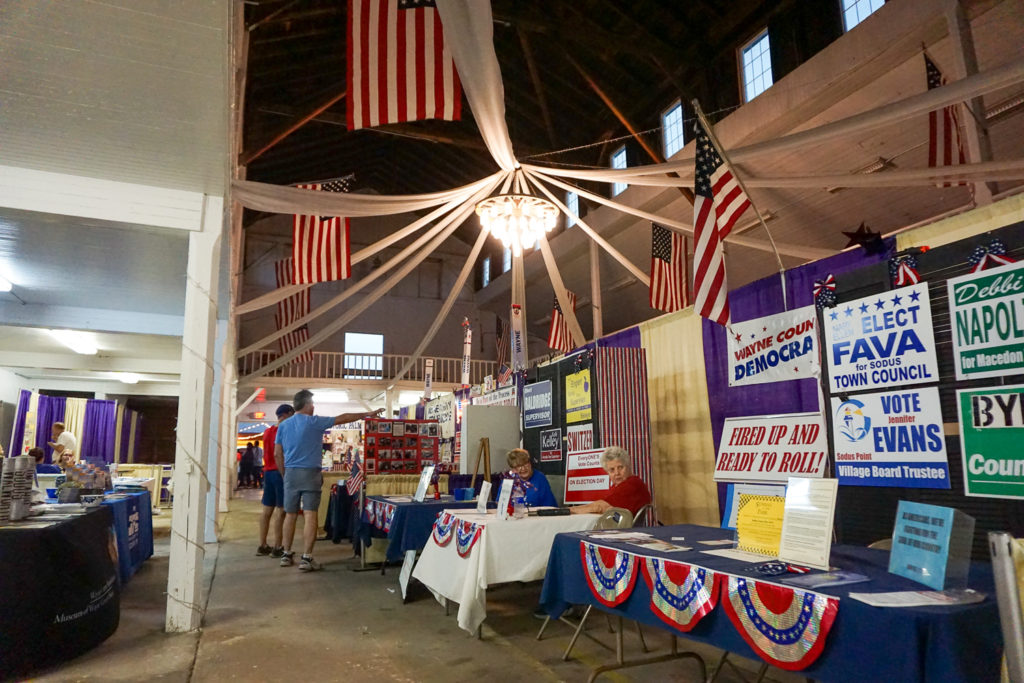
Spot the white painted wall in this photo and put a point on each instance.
(10, 385)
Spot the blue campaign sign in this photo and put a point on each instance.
(883, 340)
(537, 404)
(894, 438)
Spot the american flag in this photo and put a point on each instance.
(320, 246)
(669, 276)
(504, 374)
(945, 148)
(718, 202)
(558, 335)
(501, 341)
(289, 310)
(398, 66)
(355, 478)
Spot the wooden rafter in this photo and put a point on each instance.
(538, 87)
(249, 157)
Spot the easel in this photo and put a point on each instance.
(485, 454)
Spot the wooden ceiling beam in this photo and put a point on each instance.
(248, 157)
(538, 87)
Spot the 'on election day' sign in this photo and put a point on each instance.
(987, 317)
(585, 479)
(537, 404)
(774, 348)
(772, 448)
(882, 340)
(891, 439)
(992, 441)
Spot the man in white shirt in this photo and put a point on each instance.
(64, 445)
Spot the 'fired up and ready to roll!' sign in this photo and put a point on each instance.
(891, 439)
(883, 340)
(772, 448)
(774, 348)
(987, 311)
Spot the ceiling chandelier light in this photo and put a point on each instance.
(518, 220)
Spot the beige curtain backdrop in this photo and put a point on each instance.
(74, 420)
(682, 453)
(118, 423)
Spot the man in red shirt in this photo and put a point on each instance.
(628, 490)
(273, 488)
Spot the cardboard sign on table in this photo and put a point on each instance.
(585, 479)
(759, 524)
(810, 510)
(485, 494)
(504, 497)
(931, 545)
(421, 488)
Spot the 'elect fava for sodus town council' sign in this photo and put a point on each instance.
(987, 317)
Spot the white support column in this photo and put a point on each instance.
(975, 127)
(213, 448)
(595, 290)
(191, 480)
(229, 390)
(389, 402)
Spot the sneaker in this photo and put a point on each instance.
(263, 550)
(308, 564)
(277, 552)
(287, 559)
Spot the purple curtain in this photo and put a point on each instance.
(50, 410)
(19, 423)
(97, 445)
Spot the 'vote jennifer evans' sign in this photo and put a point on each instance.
(772, 448)
(891, 439)
(987, 317)
(883, 340)
(992, 441)
(774, 348)
(537, 404)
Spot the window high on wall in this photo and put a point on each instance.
(506, 260)
(756, 60)
(485, 272)
(856, 11)
(572, 202)
(672, 129)
(363, 355)
(619, 161)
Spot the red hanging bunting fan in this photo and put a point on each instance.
(444, 529)
(988, 256)
(466, 536)
(611, 574)
(786, 627)
(681, 594)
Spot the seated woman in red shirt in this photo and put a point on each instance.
(628, 490)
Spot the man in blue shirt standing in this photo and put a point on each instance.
(299, 452)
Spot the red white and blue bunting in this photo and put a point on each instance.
(611, 574)
(371, 511)
(444, 529)
(466, 536)
(389, 516)
(786, 627)
(991, 255)
(681, 594)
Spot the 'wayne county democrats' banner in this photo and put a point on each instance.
(774, 348)
(883, 340)
(891, 439)
(537, 404)
(772, 447)
(987, 314)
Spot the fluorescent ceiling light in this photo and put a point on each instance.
(330, 396)
(127, 377)
(79, 342)
(5, 284)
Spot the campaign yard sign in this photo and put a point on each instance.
(772, 447)
(585, 479)
(774, 348)
(893, 438)
(537, 404)
(551, 445)
(883, 340)
(987, 318)
(992, 441)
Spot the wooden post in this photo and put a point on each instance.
(484, 454)
(595, 290)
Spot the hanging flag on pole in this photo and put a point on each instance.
(467, 349)
(398, 66)
(669, 276)
(945, 147)
(320, 246)
(558, 334)
(718, 202)
(289, 310)
(428, 378)
(518, 347)
(501, 340)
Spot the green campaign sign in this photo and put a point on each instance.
(991, 438)
(986, 312)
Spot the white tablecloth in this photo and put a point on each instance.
(507, 550)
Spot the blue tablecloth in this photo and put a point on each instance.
(133, 527)
(411, 525)
(958, 643)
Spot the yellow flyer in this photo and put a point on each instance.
(577, 397)
(759, 523)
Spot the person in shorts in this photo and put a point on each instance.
(298, 452)
(273, 489)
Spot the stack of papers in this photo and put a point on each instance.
(919, 598)
(826, 579)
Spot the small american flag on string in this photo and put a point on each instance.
(320, 246)
(501, 340)
(945, 147)
(504, 375)
(669, 273)
(289, 310)
(558, 335)
(355, 478)
(718, 203)
(398, 66)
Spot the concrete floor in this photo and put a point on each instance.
(264, 622)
